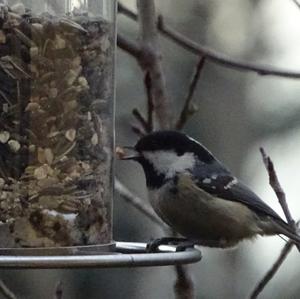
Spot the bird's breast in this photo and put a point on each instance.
(199, 215)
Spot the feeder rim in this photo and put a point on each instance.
(126, 254)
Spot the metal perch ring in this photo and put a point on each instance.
(125, 255)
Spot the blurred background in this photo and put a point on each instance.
(238, 113)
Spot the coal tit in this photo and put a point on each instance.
(198, 197)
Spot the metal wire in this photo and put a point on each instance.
(126, 255)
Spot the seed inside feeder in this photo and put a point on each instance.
(55, 170)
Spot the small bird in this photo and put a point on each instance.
(198, 197)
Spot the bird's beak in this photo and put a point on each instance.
(134, 156)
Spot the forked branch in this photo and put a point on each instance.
(212, 55)
(274, 182)
(189, 109)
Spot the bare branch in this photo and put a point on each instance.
(220, 58)
(151, 61)
(272, 271)
(138, 131)
(297, 3)
(58, 290)
(184, 286)
(189, 109)
(5, 291)
(150, 106)
(128, 46)
(274, 183)
(147, 124)
(141, 119)
(138, 203)
(127, 12)
(212, 55)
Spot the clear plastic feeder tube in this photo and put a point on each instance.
(56, 122)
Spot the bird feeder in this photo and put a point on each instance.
(57, 137)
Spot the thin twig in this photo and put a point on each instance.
(137, 130)
(127, 12)
(150, 106)
(184, 286)
(274, 183)
(58, 290)
(141, 119)
(147, 124)
(138, 203)
(220, 58)
(128, 46)
(188, 109)
(297, 3)
(5, 291)
(272, 271)
(212, 55)
(151, 61)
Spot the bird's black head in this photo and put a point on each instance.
(163, 154)
(174, 141)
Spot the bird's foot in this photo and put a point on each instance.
(185, 245)
(181, 244)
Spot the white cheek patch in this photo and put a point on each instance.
(169, 163)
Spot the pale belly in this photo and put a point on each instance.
(209, 220)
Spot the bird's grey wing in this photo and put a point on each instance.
(217, 180)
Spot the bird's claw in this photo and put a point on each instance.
(181, 244)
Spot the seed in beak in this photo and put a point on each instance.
(121, 154)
